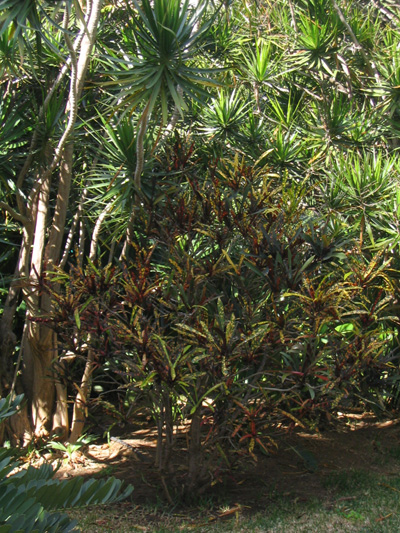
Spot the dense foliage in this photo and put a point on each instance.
(229, 256)
(233, 312)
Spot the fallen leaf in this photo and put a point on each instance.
(383, 517)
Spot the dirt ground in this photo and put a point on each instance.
(298, 468)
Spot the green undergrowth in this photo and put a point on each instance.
(354, 500)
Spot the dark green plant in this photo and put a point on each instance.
(30, 498)
(242, 306)
(254, 291)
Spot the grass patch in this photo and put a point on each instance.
(356, 501)
(394, 452)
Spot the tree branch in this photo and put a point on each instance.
(369, 64)
(15, 215)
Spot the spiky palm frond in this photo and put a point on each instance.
(165, 38)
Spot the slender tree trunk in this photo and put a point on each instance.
(80, 404)
(8, 338)
(195, 467)
(137, 179)
(79, 414)
(35, 376)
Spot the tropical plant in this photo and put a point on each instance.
(68, 448)
(57, 41)
(30, 498)
(241, 308)
(261, 281)
(40, 201)
(157, 66)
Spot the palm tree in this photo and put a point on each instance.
(158, 67)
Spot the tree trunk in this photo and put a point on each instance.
(41, 250)
(39, 350)
(8, 339)
(79, 414)
(195, 467)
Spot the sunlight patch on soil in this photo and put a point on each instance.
(332, 468)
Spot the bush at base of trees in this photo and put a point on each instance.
(250, 290)
(239, 307)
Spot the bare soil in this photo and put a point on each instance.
(299, 468)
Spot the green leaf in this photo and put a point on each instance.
(77, 318)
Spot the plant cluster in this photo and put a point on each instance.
(206, 197)
(238, 308)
